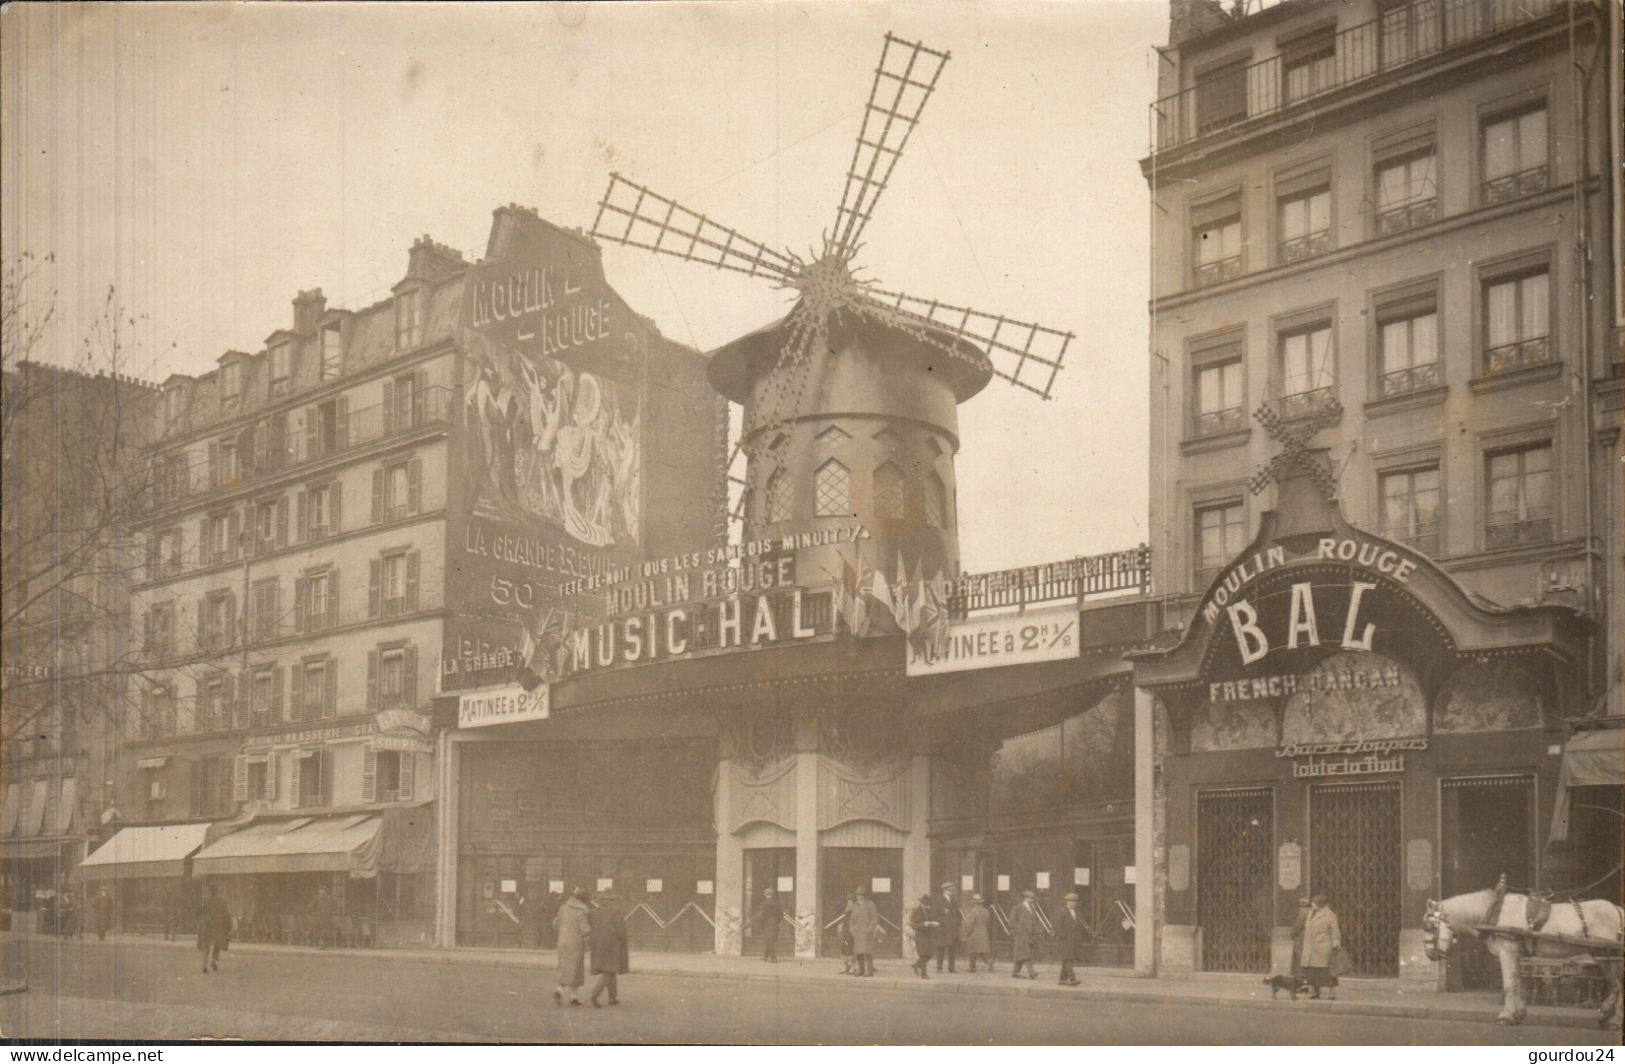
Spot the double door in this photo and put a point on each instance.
(842, 870)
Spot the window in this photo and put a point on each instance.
(386, 776)
(217, 539)
(1410, 507)
(392, 679)
(327, 428)
(1519, 495)
(332, 350)
(1309, 67)
(315, 689)
(1306, 370)
(936, 502)
(211, 787)
(214, 711)
(169, 551)
(257, 779)
(265, 696)
(171, 478)
(779, 501)
(1216, 241)
(832, 490)
(1221, 96)
(889, 491)
(1517, 322)
(1407, 348)
(1219, 531)
(392, 676)
(270, 525)
(1515, 155)
(231, 380)
(161, 630)
(1407, 191)
(161, 710)
(1305, 223)
(267, 609)
(280, 363)
(216, 621)
(397, 490)
(1410, 30)
(223, 468)
(1216, 398)
(409, 319)
(394, 584)
(316, 602)
(403, 402)
(309, 778)
(174, 400)
(319, 511)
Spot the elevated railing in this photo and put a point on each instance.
(1398, 38)
(1076, 578)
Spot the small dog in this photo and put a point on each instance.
(1293, 984)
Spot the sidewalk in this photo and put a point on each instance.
(1355, 997)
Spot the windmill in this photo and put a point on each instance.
(850, 355)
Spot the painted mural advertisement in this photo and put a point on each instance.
(550, 455)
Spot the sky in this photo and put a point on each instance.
(209, 161)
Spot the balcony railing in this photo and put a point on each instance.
(1219, 270)
(1409, 379)
(1307, 246)
(1515, 532)
(1423, 536)
(1076, 578)
(1513, 186)
(1400, 37)
(1405, 216)
(1303, 404)
(1520, 355)
(1218, 422)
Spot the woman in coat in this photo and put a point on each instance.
(864, 922)
(1321, 939)
(213, 930)
(1024, 932)
(976, 933)
(610, 956)
(573, 925)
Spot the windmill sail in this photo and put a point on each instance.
(1024, 353)
(904, 81)
(638, 217)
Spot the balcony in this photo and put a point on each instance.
(1399, 38)
(1503, 531)
(1218, 422)
(1407, 380)
(1219, 270)
(1405, 216)
(1306, 247)
(1514, 186)
(1505, 358)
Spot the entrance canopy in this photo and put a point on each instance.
(1590, 759)
(30, 849)
(342, 844)
(158, 850)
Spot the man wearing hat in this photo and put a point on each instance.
(949, 922)
(924, 921)
(1071, 933)
(977, 933)
(1024, 932)
(863, 920)
(765, 921)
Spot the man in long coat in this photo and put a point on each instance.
(864, 923)
(925, 922)
(610, 955)
(1322, 937)
(213, 930)
(766, 922)
(949, 922)
(324, 917)
(1071, 933)
(573, 924)
(976, 933)
(1024, 931)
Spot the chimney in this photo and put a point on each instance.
(1193, 18)
(308, 308)
(431, 261)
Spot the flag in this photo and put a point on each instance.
(872, 584)
(849, 602)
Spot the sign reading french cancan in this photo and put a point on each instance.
(502, 705)
(989, 642)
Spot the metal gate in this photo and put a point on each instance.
(1354, 859)
(1235, 873)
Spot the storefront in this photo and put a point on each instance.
(148, 871)
(1341, 717)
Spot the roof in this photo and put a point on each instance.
(339, 844)
(157, 850)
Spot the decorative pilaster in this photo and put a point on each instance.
(729, 885)
(1144, 834)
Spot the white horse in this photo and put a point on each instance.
(1463, 915)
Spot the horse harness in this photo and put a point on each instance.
(1537, 911)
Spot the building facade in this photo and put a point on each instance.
(1377, 228)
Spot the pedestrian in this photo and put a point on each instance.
(924, 921)
(1322, 940)
(1297, 940)
(950, 920)
(324, 917)
(844, 934)
(213, 929)
(864, 923)
(766, 923)
(101, 910)
(572, 925)
(1071, 933)
(976, 933)
(1024, 931)
(73, 915)
(172, 911)
(610, 955)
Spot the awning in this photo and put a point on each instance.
(30, 849)
(339, 844)
(1590, 759)
(155, 850)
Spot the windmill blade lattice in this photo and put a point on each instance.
(904, 81)
(1024, 353)
(638, 217)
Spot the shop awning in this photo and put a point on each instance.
(339, 844)
(1590, 759)
(29, 849)
(152, 850)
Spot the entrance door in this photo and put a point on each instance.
(1486, 828)
(774, 868)
(1354, 859)
(1235, 878)
(842, 869)
(1106, 898)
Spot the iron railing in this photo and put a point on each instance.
(1515, 532)
(1398, 38)
(1513, 186)
(1534, 351)
(1304, 404)
(1217, 422)
(1422, 536)
(1409, 379)
(1403, 216)
(1218, 270)
(1306, 247)
(1076, 579)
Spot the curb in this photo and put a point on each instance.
(1140, 995)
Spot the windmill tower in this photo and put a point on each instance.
(851, 400)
